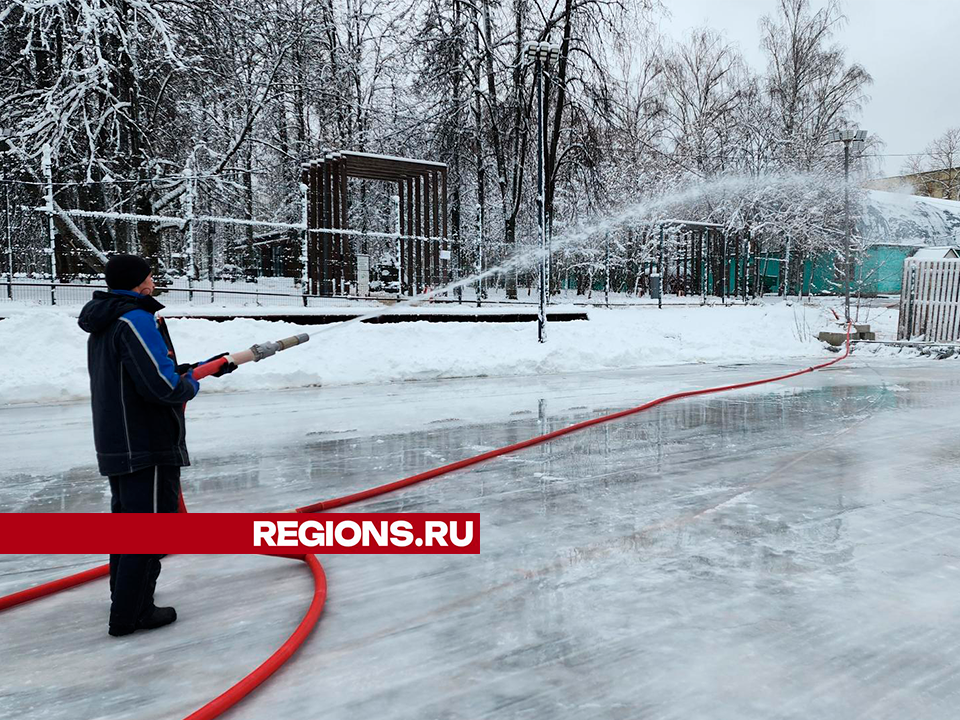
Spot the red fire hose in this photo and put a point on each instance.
(467, 462)
(235, 694)
(243, 688)
(55, 586)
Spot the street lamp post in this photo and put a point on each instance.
(847, 137)
(538, 53)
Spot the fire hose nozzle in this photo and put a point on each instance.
(295, 340)
(267, 349)
(262, 350)
(256, 353)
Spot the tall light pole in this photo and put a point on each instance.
(538, 53)
(847, 137)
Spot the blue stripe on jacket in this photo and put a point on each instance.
(150, 366)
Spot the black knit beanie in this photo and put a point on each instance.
(125, 272)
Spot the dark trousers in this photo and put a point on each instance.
(133, 578)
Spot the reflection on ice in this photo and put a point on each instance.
(786, 553)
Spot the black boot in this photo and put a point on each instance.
(119, 629)
(157, 617)
(131, 606)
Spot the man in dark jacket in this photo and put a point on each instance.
(138, 397)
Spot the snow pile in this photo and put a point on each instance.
(937, 351)
(43, 352)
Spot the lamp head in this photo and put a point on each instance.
(849, 135)
(543, 50)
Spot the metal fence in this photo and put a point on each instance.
(930, 301)
(46, 293)
(201, 233)
(56, 233)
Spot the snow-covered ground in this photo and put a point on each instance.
(43, 352)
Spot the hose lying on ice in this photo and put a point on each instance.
(243, 688)
(467, 462)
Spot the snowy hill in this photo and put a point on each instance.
(900, 219)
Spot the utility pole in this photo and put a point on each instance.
(847, 137)
(539, 53)
(846, 231)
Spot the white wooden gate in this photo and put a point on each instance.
(930, 300)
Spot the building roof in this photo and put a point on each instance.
(908, 180)
(937, 252)
(899, 219)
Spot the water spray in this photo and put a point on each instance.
(763, 187)
(255, 353)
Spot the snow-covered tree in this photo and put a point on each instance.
(938, 167)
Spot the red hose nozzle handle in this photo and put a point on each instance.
(209, 368)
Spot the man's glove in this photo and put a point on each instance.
(227, 367)
(225, 370)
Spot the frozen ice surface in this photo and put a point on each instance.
(785, 552)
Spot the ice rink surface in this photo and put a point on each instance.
(785, 552)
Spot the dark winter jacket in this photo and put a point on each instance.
(137, 395)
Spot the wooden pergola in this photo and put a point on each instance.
(709, 260)
(422, 186)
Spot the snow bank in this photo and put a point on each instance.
(43, 352)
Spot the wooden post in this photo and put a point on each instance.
(401, 264)
(426, 244)
(336, 239)
(445, 234)
(411, 242)
(418, 231)
(435, 244)
(326, 272)
(347, 242)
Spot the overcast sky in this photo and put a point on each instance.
(908, 46)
